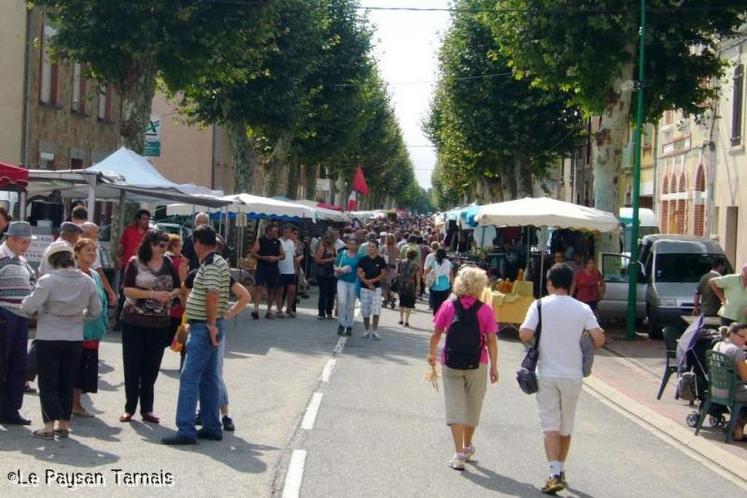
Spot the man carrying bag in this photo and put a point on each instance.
(560, 369)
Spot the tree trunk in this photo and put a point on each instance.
(137, 98)
(277, 166)
(245, 158)
(489, 189)
(606, 152)
(521, 185)
(291, 190)
(310, 181)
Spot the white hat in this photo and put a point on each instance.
(57, 247)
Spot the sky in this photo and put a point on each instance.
(406, 48)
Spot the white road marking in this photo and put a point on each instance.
(340, 344)
(294, 477)
(311, 411)
(327, 370)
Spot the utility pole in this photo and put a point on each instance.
(634, 267)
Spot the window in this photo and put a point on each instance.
(105, 103)
(683, 184)
(79, 89)
(738, 104)
(46, 160)
(49, 70)
(700, 180)
(668, 117)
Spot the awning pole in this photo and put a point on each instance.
(92, 180)
(122, 209)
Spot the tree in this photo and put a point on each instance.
(489, 127)
(588, 47)
(262, 101)
(332, 121)
(130, 43)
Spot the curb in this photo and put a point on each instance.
(702, 450)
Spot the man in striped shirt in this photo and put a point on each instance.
(17, 280)
(200, 378)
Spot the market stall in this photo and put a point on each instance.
(511, 303)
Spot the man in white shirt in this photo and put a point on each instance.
(287, 269)
(559, 368)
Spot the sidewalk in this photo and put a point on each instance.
(635, 367)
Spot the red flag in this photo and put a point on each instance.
(359, 182)
(352, 201)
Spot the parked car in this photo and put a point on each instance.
(670, 268)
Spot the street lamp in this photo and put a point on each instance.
(634, 267)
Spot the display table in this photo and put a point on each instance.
(510, 308)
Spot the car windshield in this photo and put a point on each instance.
(682, 267)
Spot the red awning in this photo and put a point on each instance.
(13, 175)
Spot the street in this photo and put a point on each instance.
(379, 429)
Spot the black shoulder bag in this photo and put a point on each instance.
(525, 376)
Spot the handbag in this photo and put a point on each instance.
(526, 376)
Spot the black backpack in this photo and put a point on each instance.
(464, 339)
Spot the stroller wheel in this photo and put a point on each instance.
(692, 419)
(716, 421)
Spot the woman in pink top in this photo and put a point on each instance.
(588, 284)
(464, 388)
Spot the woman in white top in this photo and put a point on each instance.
(440, 283)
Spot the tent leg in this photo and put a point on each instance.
(91, 205)
(121, 221)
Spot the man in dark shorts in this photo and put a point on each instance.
(268, 251)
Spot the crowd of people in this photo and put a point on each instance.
(377, 264)
(162, 288)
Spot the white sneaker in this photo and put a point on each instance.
(469, 452)
(457, 461)
(365, 335)
(376, 336)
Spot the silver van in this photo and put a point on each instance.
(670, 268)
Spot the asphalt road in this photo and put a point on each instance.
(379, 429)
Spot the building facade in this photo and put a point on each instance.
(12, 82)
(71, 121)
(190, 153)
(683, 157)
(728, 211)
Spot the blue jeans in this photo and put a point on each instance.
(200, 378)
(223, 398)
(345, 303)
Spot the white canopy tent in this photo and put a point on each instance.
(259, 207)
(321, 213)
(124, 174)
(546, 212)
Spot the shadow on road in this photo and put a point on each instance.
(504, 485)
(62, 450)
(234, 452)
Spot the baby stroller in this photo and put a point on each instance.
(695, 364)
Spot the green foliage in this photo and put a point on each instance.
(483, 120)
(588, 46)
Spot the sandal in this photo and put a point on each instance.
(62, 433)
(280, 314)
(42, 434)
(125, 417)
(84, 414)
(269, 316)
